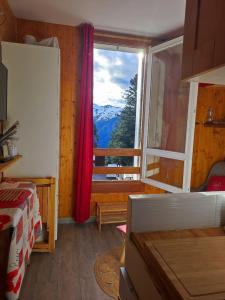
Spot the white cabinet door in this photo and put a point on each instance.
(33, 100)
(169, 120)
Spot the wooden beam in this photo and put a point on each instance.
(116, 170)
(117, 152)
(41, 247)
(36, 180)
(123, 186)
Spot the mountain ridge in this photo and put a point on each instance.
(106, 112)
(106, 118)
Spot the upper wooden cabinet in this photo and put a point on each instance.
(204, 42)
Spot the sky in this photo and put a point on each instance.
(112, 73)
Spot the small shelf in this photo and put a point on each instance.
(9, 163)
(218, 124)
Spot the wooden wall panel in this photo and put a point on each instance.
(69, 41)
(8, 23)
(209, 143)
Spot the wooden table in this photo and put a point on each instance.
(111, 212)
(187, 264)
(19, 212)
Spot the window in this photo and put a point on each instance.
(117, 112)
(168, 130)
(169, 120)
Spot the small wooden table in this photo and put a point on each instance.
(111, 212)
(185, 264)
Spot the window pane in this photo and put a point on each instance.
(169, 102)
(165, 170)
(117, 77)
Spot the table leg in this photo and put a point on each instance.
(122, 257)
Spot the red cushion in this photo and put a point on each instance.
(216, 183)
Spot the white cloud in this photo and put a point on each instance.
(110, 72)
(105, 91)
(102, 60)
(102, 90)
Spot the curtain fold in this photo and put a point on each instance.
(84, 149)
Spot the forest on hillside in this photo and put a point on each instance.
(123, 134)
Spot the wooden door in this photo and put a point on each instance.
(199, 36)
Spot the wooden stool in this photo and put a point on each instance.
(111, 212)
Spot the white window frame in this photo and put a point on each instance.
(186, 157)
(141, 65)
(141, 54)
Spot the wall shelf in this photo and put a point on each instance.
(218, 124)
(9, 163)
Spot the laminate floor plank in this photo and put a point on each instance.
(69, 272)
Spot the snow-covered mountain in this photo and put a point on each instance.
(106, 118)
(106, 112)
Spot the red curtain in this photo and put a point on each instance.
(84, 150)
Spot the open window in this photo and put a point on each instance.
(118, 81)
(169, 120)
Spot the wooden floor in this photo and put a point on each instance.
(68, 273)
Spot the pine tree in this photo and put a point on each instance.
(124, 133)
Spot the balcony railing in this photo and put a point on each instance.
(117, 152)
(117, 186)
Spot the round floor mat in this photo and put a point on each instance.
(106, 269)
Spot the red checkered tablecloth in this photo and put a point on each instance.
(19, 209)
